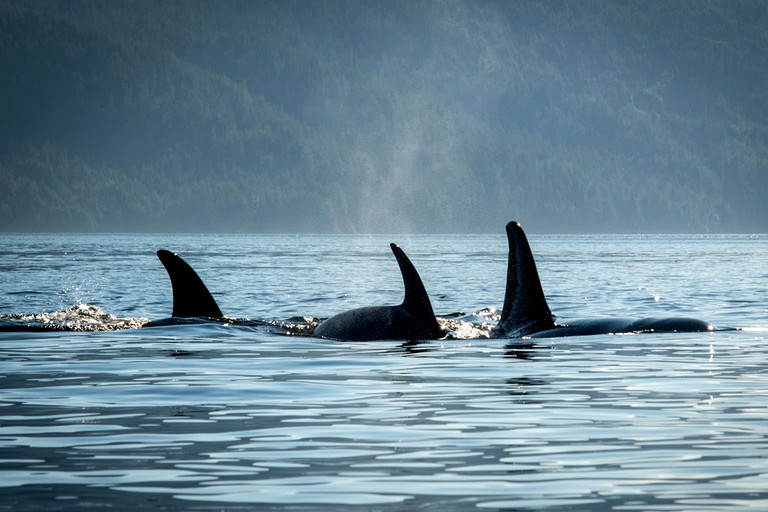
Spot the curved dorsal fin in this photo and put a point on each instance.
(524, 301)
(416, 300)
(190, 296)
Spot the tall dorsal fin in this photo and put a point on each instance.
(524, 302)
(416, 300)
(190, 296)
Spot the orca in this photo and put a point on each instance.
(526, 312)
(411, 320)
(191, 298)
(192, 304)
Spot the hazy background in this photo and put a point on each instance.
(387, 116)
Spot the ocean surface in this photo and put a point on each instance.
(99, 413)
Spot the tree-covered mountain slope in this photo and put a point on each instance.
(400, 116)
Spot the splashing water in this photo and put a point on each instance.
(80, 317)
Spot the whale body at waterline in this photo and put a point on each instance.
(413, 319)
(527, 314)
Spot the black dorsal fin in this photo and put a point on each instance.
(190, 296)
(524, 303)
(416, 300)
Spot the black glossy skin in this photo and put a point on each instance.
(378, 323)
(526, 313)
(588, 326)
(414, 319)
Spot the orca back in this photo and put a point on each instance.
(414, 319)
(526, 312)
(191, 298)
(525, 307)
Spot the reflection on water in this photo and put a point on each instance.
(196, 415)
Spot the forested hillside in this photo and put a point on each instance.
(395, 116)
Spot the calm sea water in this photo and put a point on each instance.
(222, 417)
